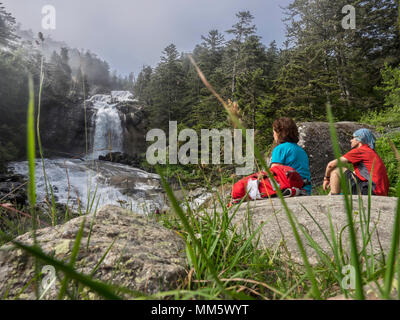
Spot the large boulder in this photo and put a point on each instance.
(145, 257)
(315, 139)
(278, 228)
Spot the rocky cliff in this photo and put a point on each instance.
(62, 129)
(134, 124)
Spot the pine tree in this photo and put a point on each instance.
(60, 73)
(141, 88)
(168, 88)
(7, 28)
(241, 31)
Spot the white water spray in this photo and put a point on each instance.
(108, 135)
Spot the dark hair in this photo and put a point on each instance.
(286, 129)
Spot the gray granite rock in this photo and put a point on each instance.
(278, 228)
(145, 257)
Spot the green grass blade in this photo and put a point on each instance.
(74, 255)
(31, 150)
(24, 288)
(91, 227)
(31, 154)
(323, 255)
(245, 245)
(191, 256)
(335, 247)
(353, 241)
(392, 253)
(185, 223)
(102, 259)
(102, 289)
(398, 276)
(319, 226)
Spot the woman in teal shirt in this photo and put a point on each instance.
(288, 152)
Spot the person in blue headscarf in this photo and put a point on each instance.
(365, 136)
(368, 168)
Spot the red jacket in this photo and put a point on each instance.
(363, 158)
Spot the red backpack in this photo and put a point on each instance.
(288, 179)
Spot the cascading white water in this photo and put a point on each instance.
(108, 129)
(81, 182)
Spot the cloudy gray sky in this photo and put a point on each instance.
(131, 33)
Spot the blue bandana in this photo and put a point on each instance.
(365, 136)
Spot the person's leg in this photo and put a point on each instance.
(335, 181)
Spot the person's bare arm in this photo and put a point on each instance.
(329, 168)
(333, 165)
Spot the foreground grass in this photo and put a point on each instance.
(241, 267)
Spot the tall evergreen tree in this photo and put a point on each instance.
(7, 28)
(241, 31)
(142, 86)
(60, 73)
(168, 88)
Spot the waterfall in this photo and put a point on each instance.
(108, 129)
(81, 183)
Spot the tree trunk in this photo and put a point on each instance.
(328, 97)
(341, 78)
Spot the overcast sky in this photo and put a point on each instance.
(131, 33)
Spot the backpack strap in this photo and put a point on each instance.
(365, 174)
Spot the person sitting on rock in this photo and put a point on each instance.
(288, 152)
(365, 160)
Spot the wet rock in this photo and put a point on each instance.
(122, 158)
(13, 189)
(199, 197)
(145, 256)
(142, 187)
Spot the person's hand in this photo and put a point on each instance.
(326, 184)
